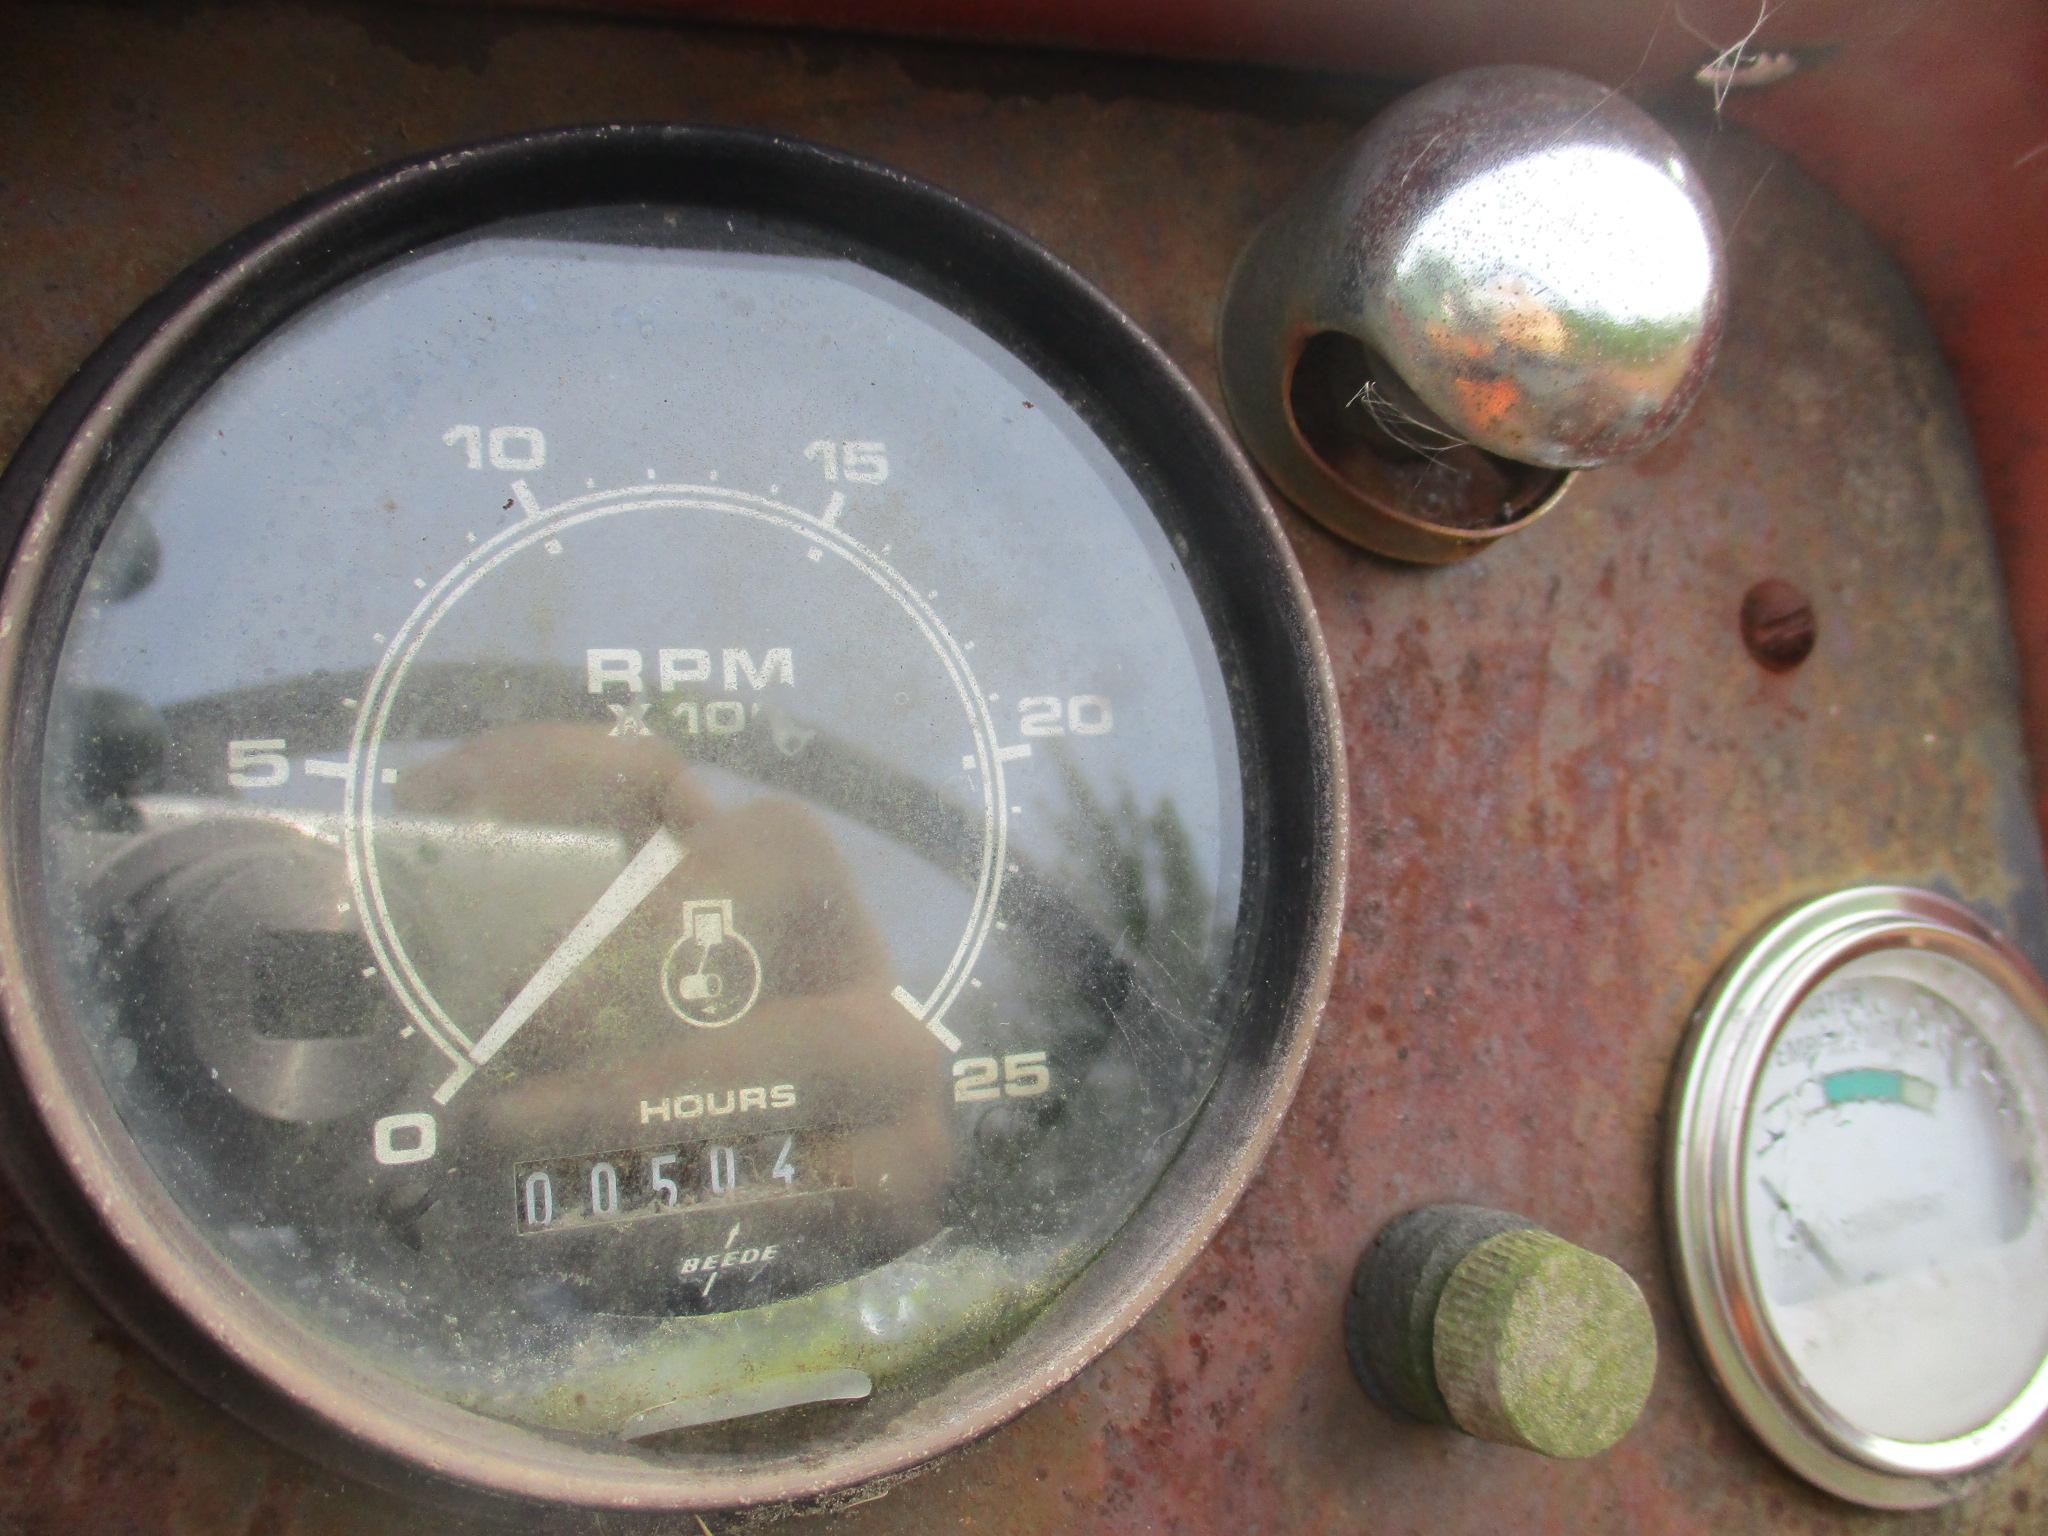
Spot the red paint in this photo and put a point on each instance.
(1936, 134)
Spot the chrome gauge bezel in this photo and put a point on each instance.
(59, 1134)
(1739, 1021)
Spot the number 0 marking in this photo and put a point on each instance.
(604, 1190)
(725, 1170)
(407, 1138)
(540, 1200)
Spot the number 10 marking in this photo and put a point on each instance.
(508, 447)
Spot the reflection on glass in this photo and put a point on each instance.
(660, 814)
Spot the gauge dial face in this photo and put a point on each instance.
(1859, 1148)
(643, 815)
(1892, 1196)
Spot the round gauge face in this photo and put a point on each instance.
(657, 816)
(1892, 1196)
(1860, 1144)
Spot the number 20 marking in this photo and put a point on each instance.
(1085, 714)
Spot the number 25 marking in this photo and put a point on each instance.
(1025, 1075)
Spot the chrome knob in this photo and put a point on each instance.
(1512, 261)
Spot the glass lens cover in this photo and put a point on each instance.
(644, 823)
(1892, 1195)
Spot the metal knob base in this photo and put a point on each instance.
(1511, 267)
(1483, 1321)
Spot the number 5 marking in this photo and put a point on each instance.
(258, 764)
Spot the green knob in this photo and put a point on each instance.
(1478, 1319)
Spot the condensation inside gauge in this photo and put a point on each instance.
(1892, 1195)
(662, 821)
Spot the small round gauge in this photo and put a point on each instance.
(672, 821)
(1857, 1193)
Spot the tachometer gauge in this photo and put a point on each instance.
(672, 821)
(1861, 1139)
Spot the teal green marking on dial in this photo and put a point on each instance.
(1881, 1085)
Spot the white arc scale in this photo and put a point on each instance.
(693, 513)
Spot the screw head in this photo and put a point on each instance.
(1778, 625)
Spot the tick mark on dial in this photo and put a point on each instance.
(915, 1009)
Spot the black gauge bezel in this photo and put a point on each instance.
(61, 1140)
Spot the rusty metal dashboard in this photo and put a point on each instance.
(1594, 786)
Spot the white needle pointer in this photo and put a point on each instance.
(655, 861)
